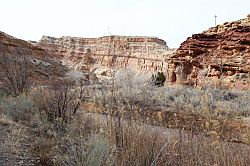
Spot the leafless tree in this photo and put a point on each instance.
(14, 73)
(61, 99)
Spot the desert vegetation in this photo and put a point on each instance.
(14, 74)
(131, 120)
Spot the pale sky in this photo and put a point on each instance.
(171, 20)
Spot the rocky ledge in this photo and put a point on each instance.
(218, 56)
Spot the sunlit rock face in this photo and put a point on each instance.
(116, 52)
(218, 56)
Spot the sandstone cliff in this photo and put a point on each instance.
(118, 52)
(220, 55)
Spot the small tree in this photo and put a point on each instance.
(14, 73)
(159, 79)
(61, 99)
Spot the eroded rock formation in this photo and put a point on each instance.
(118, 52)
(220, 55)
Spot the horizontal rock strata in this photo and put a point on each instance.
(220, 55)
(118, 52)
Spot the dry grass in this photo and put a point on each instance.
(99, 140)
(13, 140)
(132, 143)
(91, 139)
(6, 121)
(11, 135)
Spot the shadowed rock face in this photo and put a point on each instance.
(119, 52)
(41, 65)
(220, 55)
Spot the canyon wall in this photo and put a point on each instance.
(118, 52)
(218, 56)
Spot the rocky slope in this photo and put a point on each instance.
(119, 52)
(220, 55)
(41, 65)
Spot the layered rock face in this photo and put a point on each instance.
(118, 52)
(220, 55)
(41, 66)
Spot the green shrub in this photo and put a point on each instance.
(159, 79)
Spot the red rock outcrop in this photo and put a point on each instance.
(42, 67)
(139, 53)
(220, 55)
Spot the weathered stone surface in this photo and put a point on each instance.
(42, 67)
(220, 55)
(118, 52)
